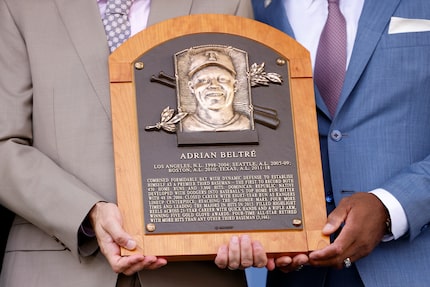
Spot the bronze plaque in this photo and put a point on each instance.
(211, 140)
(237, 174)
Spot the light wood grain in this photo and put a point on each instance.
(126, 143)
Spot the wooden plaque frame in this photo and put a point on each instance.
(126, 141)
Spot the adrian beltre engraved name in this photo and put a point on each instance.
(222, 154)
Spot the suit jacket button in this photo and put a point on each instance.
(336, 135)
(329, 198)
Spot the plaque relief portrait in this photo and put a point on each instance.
(213, 85)
(213, 89)
(214, 102)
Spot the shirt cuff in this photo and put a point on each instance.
(87, 241)
(399, 221)
(87, 230)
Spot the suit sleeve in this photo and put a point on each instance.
(411, 189)
(32, 184)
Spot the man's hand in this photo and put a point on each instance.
(107, 223)
(287, 264)
(364, 217)
(241, 253)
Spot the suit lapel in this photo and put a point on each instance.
(375, 17)
(89, 40)
(274, 15)
(165, 9)
(373, 23)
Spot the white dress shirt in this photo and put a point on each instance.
(307, 19)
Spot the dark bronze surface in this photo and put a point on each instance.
(211, 184)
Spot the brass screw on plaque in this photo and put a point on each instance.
(297, 222)
(280, 62)
(150, 227)
(139, 65)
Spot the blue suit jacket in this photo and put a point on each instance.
(380, 134)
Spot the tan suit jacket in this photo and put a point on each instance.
(56, 157)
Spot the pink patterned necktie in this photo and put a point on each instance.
(116, 22)
(330, 62)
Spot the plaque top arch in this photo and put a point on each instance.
(297, 56)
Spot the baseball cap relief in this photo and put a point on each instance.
(210, 57)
